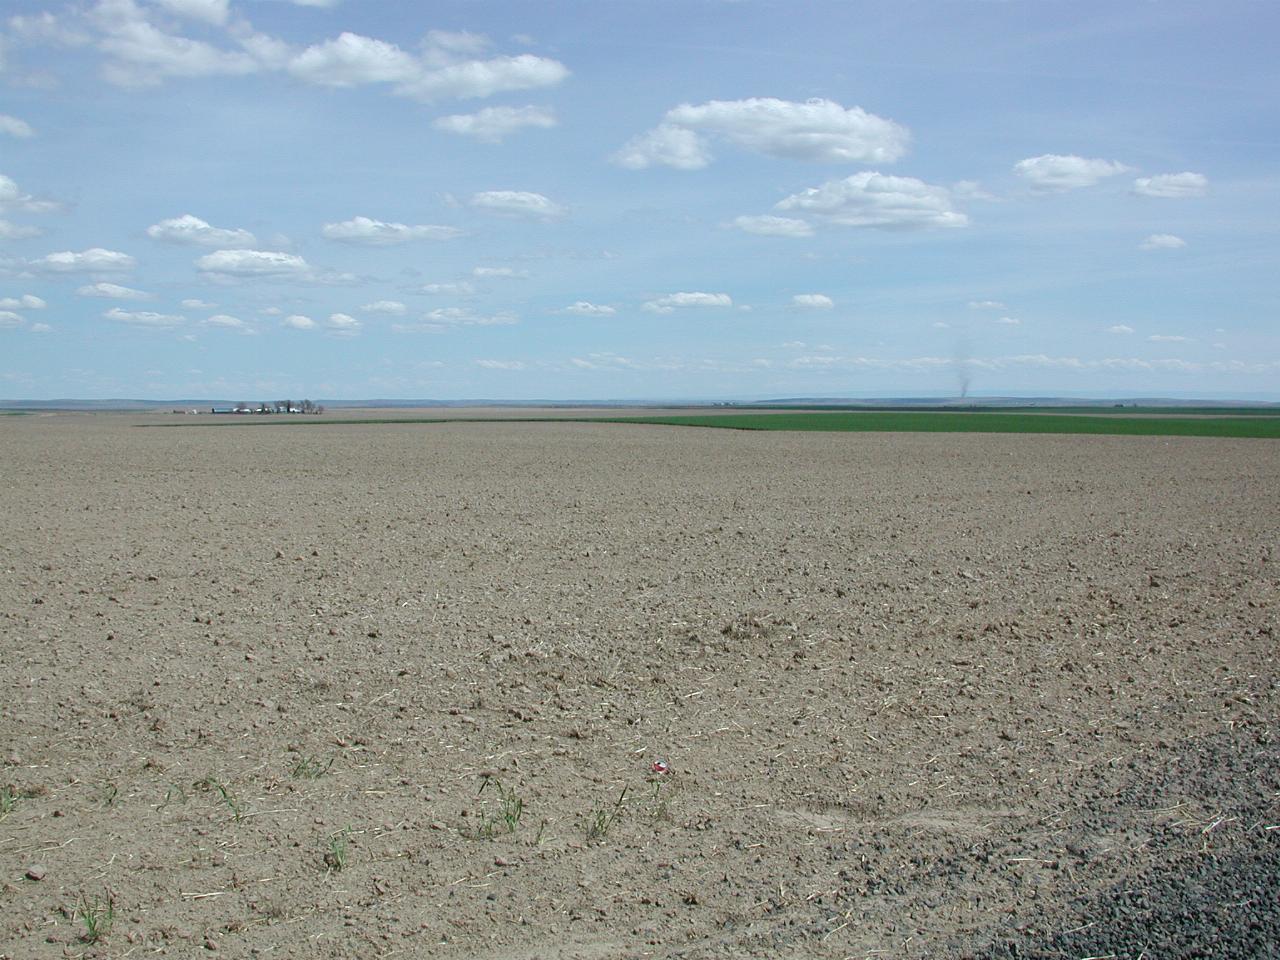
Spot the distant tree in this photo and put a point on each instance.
(308, 406)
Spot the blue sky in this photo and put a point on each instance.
(254, 199)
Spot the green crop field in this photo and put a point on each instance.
(935, 421)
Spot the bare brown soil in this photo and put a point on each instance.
(265, 690)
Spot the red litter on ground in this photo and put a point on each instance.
(661, 766)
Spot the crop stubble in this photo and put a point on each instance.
(921, 694)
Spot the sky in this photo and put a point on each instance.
(616, 200)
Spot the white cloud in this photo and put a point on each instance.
(483, 78)
(112, 291)
(444, 46)
(816, 301)
(507, 272)
(501, 364)
(226, 322)
(41, 328)
(94, 260)
(769, 226)
(584, 308)
(15, 127)
(14, 231)
(1168, 338)
(144, 318)
(142, 55)
(461, 317)
(1172, 186)
(208, 11)
(1057, 172)
(198, 305)
(45, 28)
(352, 59)
(986, 305)
(1162, 241)
(385, 306)
(26, 302)
(458, 288)
(343, 324)
(665, 145)
(376, 233)
(193, 231)
(253, 263)
(12, 197)
(820, 130)
(1120, 329)
(873, 199)
(9, 319)
(298, 322)
(1009, 321)
(673, 301)
(492, 124)
(518, 203)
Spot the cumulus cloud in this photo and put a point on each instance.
(191, 230)
(1052, 171)
(140, 54)
(518, 203)
(93, 260)
(504, 272)
(9, 319)
(45, 27)
(456, 288)
(1162, 241)
(501, 364)
(25, 302)
(819, 130)
(208, 11)
(462, 317)
(1172, 186)
(483, 78)
(11, 197)
(1120, 329)
(227, 322)
(351, 59)
(770, 226)
(14, 127)
(253, 263)
(1009, 321)
(1168, 338)
(297, 321)
(193, 304)
(144, 318)
(376, 233)
(873, 199)
(675, 301)
(814, 301)
(112, 291)
(15, 231)
(986, 305)
(665, 145)
(493, 124)
(342, 325)
(584, 308)
(385, 306)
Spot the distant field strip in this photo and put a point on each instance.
(1045, 421)
(946, 422)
